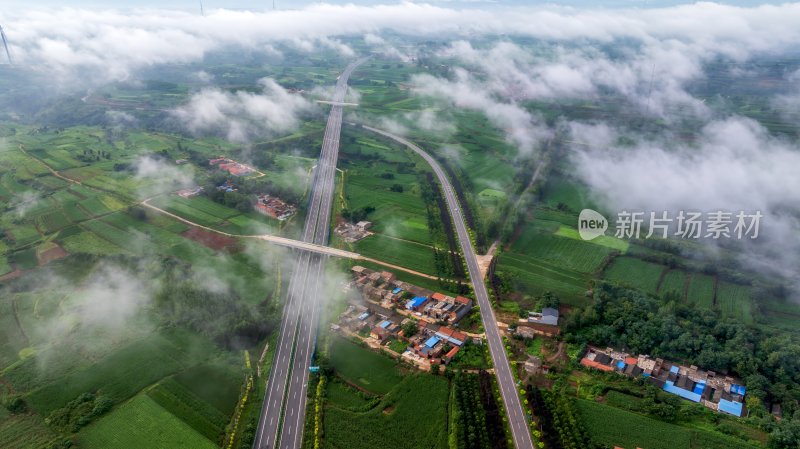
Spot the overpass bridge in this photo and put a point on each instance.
(274, 239)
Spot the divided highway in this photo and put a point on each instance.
(508, 390)
(283, 412)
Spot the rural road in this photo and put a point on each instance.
(517, 419)
(283, 412)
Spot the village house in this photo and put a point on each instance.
(383, 287)
(274, 207)
(548, 316)
(721, 393)
(231, 166)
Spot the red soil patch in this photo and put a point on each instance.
(217, 242)
(52, 254)
(12, 275)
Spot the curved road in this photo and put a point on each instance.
(516, 417)
(283, 411)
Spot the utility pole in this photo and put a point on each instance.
(5, 44)
(202, 13)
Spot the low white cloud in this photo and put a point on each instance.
(241, 116)
(734, 165)
(522, 128)
(157, 176)
(22, 203)
(114, 43)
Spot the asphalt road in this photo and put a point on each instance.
(283, 412)
(508, 390)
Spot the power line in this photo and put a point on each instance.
(5, 44)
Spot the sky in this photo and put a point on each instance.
(296, 4)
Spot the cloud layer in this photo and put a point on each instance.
(114, 42)
(242, 115)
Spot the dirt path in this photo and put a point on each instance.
(19, 324)
(559, 352)
(49, 168)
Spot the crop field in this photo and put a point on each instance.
(343, 396)
(23, 235)
(633, 430)
(604, 240)
(398, 252)
(94, 206)
(25, 432)
(121, 374)
(635, 273)
(559, 190)
(565, 252)
(782, 314)
(734, 301)
(135, 244)
(215, 384)
(382, 177)
(674, 280)
(141, 422)
(371, 371)
(183, 404)
(701, 291)
(88, 243)
(412, 415)
(186, 211)
(207, 206)
(53, 221)
(535, 277)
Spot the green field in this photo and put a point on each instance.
(410, 255)
(701, 291)
(345, 397)
(397, 214)
(565, 252)
(631, 430)
(141, 422)
(412, 415)
(734, 301)
(25, 432)
(183, 404)
(675, 281)
(123, 373)
(635, 273)
(360, 366)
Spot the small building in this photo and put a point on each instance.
(548, 316)
(533, 365)
(380, 333)
(227, 186)
(450, 354)
(189, 193)
(364, 225)
(274, 207)
(416, 303)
